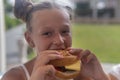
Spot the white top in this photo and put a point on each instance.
(26, 72)
(116, 71)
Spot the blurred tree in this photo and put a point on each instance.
(10, 20)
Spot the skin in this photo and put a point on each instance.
(112, 77)
(51, 30)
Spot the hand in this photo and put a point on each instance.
(42, 70)
(91, 67)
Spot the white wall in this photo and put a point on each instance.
(2, 39)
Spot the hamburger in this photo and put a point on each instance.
(65, 67)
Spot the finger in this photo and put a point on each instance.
(50, 70)
(49, 52)
(75, 51)
(44, 71)
(84, 55)
(45, 58)
(91, 57)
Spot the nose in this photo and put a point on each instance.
(58, 40)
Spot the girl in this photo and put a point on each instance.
(49, 28)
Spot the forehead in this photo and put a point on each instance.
(50, 15)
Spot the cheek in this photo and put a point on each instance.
(39, 47)
(42, 45)
(69, 41)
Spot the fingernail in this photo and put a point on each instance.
(71, 51)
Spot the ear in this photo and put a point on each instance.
(28, 38)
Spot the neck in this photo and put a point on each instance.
(29, 65)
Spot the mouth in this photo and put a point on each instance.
(64, 69)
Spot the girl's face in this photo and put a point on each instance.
(50, 30)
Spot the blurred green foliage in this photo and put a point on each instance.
(10, 20)
(31, 53)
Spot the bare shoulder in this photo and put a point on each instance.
(13, 74)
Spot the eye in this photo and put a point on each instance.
(65, 32)
(47, 34)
